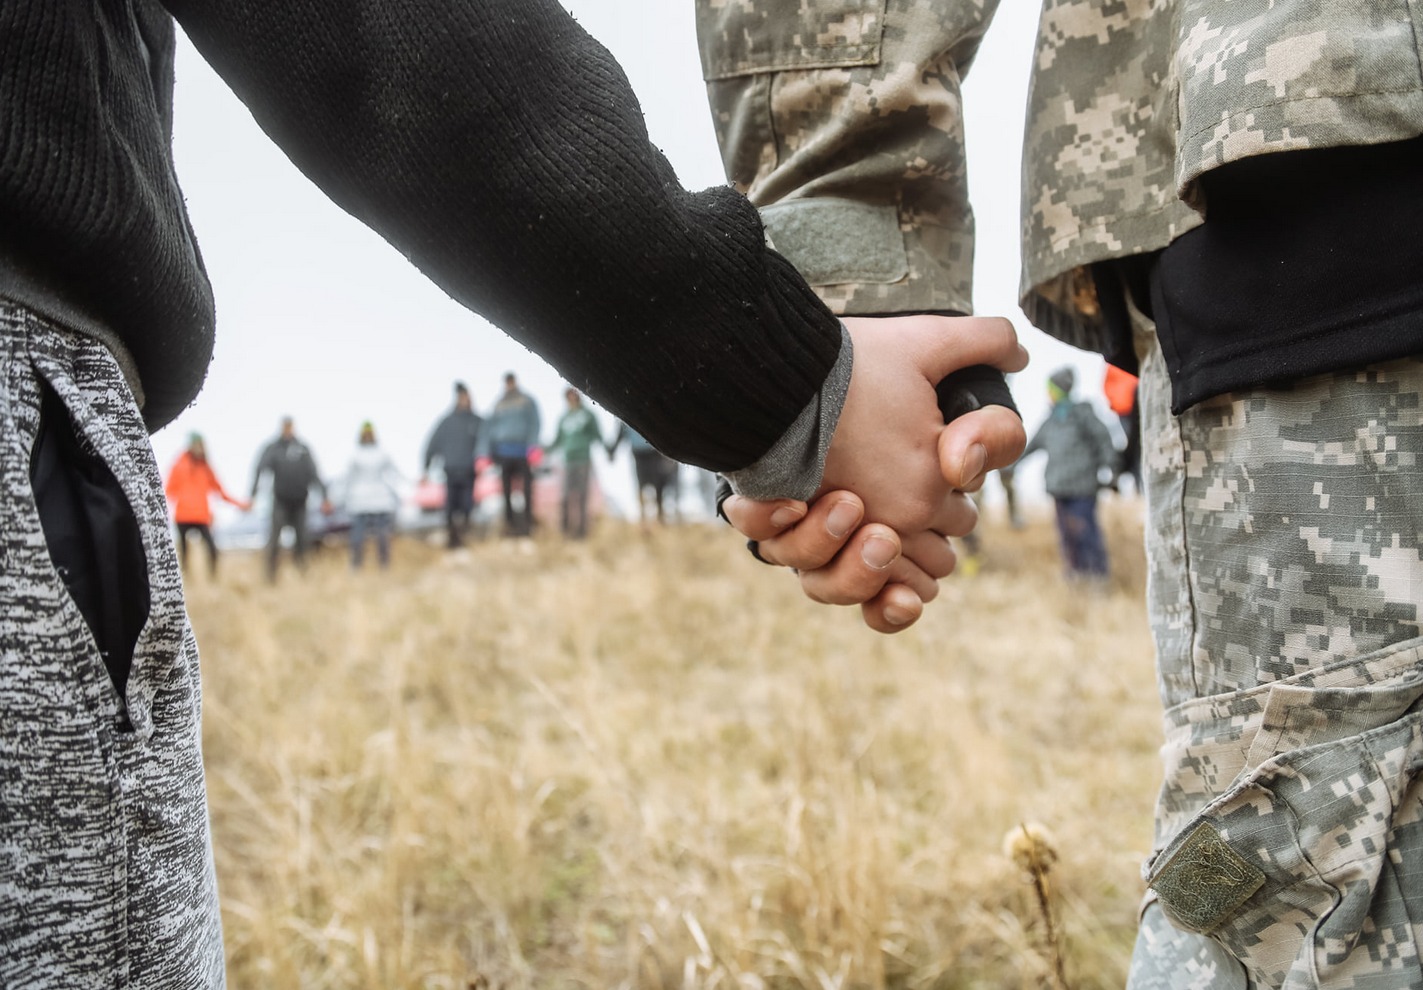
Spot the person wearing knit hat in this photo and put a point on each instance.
(1079, 449)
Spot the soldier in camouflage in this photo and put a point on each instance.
(1285, 518)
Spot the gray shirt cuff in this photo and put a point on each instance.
(795, 464)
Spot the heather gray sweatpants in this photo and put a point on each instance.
(106, 869)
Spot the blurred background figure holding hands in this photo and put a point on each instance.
(190, 487)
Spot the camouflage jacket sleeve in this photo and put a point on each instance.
(1132, 102)
(841, 120)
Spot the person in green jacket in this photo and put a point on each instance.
(574, 437)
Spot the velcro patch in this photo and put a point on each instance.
(1204, 881)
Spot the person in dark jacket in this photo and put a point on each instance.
(293, 473)
(454, 443)
(1079, 449)
(653, 473)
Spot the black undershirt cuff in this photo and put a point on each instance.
(1308, 262)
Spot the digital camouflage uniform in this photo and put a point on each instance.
(1284, 585)
(1285, 523)
(843, 121)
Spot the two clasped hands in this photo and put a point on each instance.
(896, 477)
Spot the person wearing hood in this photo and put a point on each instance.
(1079, 448)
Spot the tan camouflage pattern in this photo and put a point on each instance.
(1286, 571)
(857, 103)
(1273, 75)
(846, 127)
(1098, 177)
(1132, 101)
(1285, 533)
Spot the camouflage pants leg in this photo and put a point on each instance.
(1285, 529)
(106, 870)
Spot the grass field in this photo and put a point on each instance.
(647, 761)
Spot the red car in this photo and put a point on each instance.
(429, 496)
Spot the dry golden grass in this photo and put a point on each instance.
(648, 762)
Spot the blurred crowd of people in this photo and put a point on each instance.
(503, 452)
(464, 452)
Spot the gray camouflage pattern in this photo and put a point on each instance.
(1167, 958)
(1286, 568)
(843, 121)
(1285, 524)
(1132, 101)
(106, 869)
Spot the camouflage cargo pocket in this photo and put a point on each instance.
(1304, 867)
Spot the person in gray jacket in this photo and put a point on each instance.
(1078, 447)
(511, 431)
(455, 443)
(293, 469)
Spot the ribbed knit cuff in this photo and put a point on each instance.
(795, 464)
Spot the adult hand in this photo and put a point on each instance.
(891, 438)
(842, 561)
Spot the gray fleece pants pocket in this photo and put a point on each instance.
(106, 870)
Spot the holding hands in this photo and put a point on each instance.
(875, 534)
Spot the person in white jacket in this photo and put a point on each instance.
(372, 496)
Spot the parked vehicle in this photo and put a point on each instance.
(248, 530)
(428, 500)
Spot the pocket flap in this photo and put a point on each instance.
(739, 38)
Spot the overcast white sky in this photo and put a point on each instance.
(320, 318)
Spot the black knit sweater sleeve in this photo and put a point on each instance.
(502, 150)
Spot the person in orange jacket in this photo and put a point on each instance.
(1120, 388)
(191, 483)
